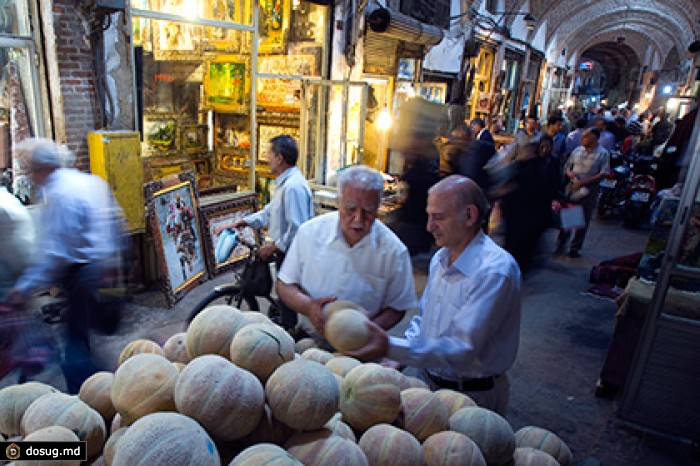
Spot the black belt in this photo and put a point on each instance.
(466, 385)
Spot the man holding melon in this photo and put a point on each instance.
(467, 334)
(348, 255)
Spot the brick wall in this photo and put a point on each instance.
(77, 74)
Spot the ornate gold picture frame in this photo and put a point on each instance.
(227, 84)
(274, 25)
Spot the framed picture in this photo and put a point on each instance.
(433, 92)
(274, 24)
(222, 248)
(283, 94)
(193, 138)
(267, 132)
(175, 40)
(227, 84)
(174, 220)
(234, 11)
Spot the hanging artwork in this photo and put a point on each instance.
(283, 95)
(267, 132)
(227, 84)
(172, 211)
(274, 25)
(232, 11)
(174, 40)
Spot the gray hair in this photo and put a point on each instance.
(45, 153)
(361, 176)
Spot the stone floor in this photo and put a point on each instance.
(564, 338)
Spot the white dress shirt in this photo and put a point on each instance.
(290, 206)
(376, 273)
(78, 225)
(469, 325)
(17, 238)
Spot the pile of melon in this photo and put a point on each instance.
(235, 389)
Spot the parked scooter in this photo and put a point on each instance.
(613, 188)
(640, 192)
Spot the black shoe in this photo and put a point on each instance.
(574, 254)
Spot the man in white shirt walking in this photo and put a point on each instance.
(291, 205)
(467, 334)
(348, 255)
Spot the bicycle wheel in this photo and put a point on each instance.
(226, 294)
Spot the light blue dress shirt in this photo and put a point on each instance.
(469, 325)
(78, 225)
(291, 205)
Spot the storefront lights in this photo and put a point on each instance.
(189, 9)
(667, 89)
(384, 120)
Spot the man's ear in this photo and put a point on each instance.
(472, 216)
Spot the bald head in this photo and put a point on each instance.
(464, 192)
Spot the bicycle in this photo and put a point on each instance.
(252, 281)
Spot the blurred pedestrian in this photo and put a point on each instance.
(481, 133)
(80, 232)
(527, 209)
(17, 230)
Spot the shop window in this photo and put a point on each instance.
(196, 81)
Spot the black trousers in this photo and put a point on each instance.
(288, 316)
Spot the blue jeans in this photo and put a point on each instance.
(80, 283)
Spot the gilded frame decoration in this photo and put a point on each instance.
(283, 95)
(274, 25)
(172, 211)
(175, 40)
(222, 251)
(227, 83)
(233, 11)
(267, 132)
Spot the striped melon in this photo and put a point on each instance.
(59, 409)
(265, 453)
(261, 348)
(342, 365)
(165, 439)
(138, 347)
(304, 344)
(212, 330)
(386, 445)
(111, 445)
(14, 400)
(226, 400)
(453, 400)
(526, 456)
(422, 413)
(302, 394)
(323, 448)
(488, 430)
(451, 449)
(346, 330)
(338, 427)
(542, 439)
(317, 355)
(175, 349)
(144, 384)
(369, 396)
(95, 391)
(51, 434)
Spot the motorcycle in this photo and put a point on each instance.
(640, 192)
(613, 187)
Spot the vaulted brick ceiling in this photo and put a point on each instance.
(668, 26)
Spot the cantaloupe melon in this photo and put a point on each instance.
(386, 445)
(212, 330)
(422, 413)
(449, 448)
(265, 453)
(304, 344)
(14, 400)
(369, 396)
(117, 423)
(415, 382)
(261, 348)
(51, 434)
(175, 349)
(341, 365)
(166, 438)
(95, 391)
(338, 427)
(253, 317)
(543, 439)
(59, 409)
(346, 330)
(488, 430)
(226, 400)
(268, 430)
(526, 456)
(144, 384)
(453, 400)
(302, 394)
(323, 448)
(137, 347)
(339, 304)
(317, 355)
(111, 446)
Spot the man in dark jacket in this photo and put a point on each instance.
(475, 158)
(481, 133)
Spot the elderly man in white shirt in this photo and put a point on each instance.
(291, 205)
(349, 255)
(467, 334)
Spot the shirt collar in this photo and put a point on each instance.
(285, 175)
(470, 257)
(370, 239)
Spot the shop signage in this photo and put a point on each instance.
(433, 12)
